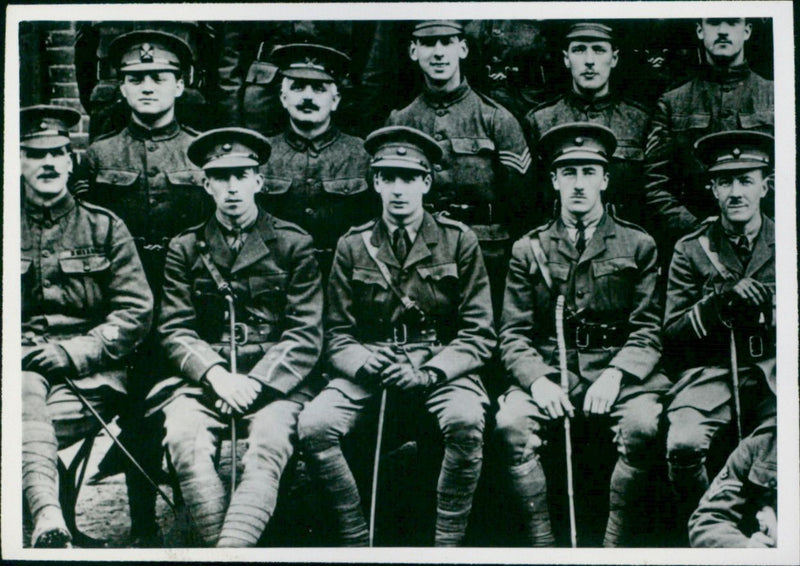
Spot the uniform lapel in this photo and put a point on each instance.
(427, 236)
(219, 250)
(380, 239)
(720, 244)
(254, 247)
(565, 245)
(597, 244)
(763, 248)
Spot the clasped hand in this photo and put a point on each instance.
(393, 370)
(235, 391)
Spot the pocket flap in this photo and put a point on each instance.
(369, 277)
(608, 266)
(691, 121)
(629, 152)
(757, 120)
(344, 186)
(472, 146)
(261, 73)
(118, 177)
(84, 264)
(558, 270)
(438, 272)
(193, 177)
(276, 185)
(272, 283)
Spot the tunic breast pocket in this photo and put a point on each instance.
(472, 166)
(370, 290)
(187, 201)
(268, 294)
(84, 278)
(762, 121)
(614, 283)
(441, 281)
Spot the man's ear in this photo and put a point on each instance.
(412, 50)
(566, 58)
(614, 57)
(180, 86)
(428, 180)
(698, 29)
(259, 180)
(337, 98)
(553, 178)
(207, 186)
(748, 30)
(463, 48)
(606, 178)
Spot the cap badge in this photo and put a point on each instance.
(311, 62)
(43, 126)
(578, 141)
(736, 152)
(146, 53)
(401, 151)
(227, 147)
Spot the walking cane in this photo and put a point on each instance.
(562, 360)
(737, 402)
(118, 442)
(234, 355)
(375, 467)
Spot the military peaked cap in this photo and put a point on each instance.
(149, 50)
(578, 142)
(403, 148)
(589, 31)
(735, 150)
(45, 126)
(229, 148)
(437, 28)
(310, 61)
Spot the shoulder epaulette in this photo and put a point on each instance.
(443, 219)
(678, 84)
(487, 99)
(540, 228)
(636, 104)
(190, 130)
(546, 103)
(106, 136)
(282, 224)
(629, 224)
(699, 230)
(361, 227)
(190, 230)
(96, 208)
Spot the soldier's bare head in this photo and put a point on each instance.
(723, 39)
(438, 46)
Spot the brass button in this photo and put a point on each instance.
(438, 137)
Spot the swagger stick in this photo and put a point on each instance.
(375, 467)
(562, 361)
(737, 402)
(234, 356)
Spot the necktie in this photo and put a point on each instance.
(742, 249)
(400, 244)
(580, 242)
(235, 240)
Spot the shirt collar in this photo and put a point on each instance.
(721, 74)
(248, 222)
(163, 133)
(585, 103)
(412, 229)
(750, 234)
(318, 143)
(443, 99)
(53, 211)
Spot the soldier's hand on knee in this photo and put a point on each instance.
(234, 389)
(47, 359)
(378, 360)
(602, 393)
(551, 399)
(403, 376)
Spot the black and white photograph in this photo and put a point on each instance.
(440, 282)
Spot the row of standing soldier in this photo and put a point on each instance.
(317, 177)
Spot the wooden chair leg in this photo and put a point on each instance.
(70, 482)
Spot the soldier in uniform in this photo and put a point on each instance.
(316, 176)
(721, 283)
(724, 95)
(739, 510)
(98, 81)
(483, 179)
(269, 268)
(409, 311)
(591, 53)
(143, 175)
(606, 269)
(85, 307)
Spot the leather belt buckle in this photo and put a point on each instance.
(756, 345)
(582, 339)
(240, 333)
(400, 334)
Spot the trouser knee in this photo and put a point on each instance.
(315, 430)
(517, 442)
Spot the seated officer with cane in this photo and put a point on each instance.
(249, 282)
(409, 310)
(606, 269)
(719, 320)
(85, 307)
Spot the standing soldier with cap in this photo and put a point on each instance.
(721, 286)
(483, 178)
(591, 53)
(85, 307)
(316, 175)
(143, 175)
(269, 268)
(409, 310)
(724, 95)
(606, 269)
